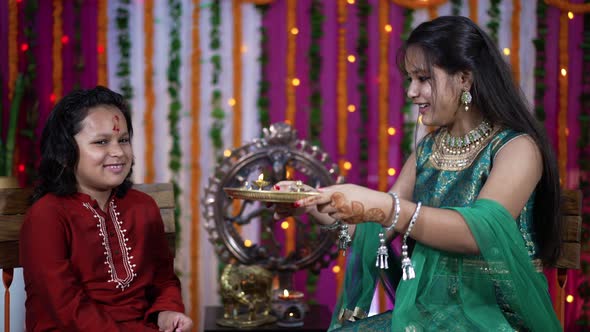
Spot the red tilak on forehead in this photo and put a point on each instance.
(116, 123)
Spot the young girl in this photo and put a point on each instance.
(480, 198)
(93, 250)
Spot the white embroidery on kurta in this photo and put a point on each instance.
(124, 249)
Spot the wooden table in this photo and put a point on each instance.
(316, 319)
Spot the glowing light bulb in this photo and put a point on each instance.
(506, 51)
(295, 82)
(391, 131)
(388, 28)
(285, 225)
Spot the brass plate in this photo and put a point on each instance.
(267, 196)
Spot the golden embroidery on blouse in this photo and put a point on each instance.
(455, 154)
(120, 232)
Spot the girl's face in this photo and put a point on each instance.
(436, 94)
(104, 148)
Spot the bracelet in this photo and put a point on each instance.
(331, 226)
(407, 266)
(396, 210)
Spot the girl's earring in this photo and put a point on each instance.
(466, 99)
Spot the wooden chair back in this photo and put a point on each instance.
(13, 207)
(571, 220)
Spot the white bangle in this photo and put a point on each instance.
(396, 213)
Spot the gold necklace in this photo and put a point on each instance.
(457, 153)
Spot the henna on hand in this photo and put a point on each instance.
(354, 212)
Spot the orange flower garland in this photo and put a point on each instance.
(237, 72)
(576, 8)
(473, 10)
(102, 28)
(195, 167)
(515, 48)
(12, 46)
(57, 48)
(342, 116)
(432, 12)
(413, 4)
(148, 115)
(290, 91)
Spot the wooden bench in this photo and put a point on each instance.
(14, 204)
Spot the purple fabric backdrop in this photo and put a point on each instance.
(4, 62)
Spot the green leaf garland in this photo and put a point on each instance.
(263, 84)
(315, 68)
(124, 44)
(494, 23)
(540, 60)
(362, 45)
(174, 86)
(456, 7)
(217, 113)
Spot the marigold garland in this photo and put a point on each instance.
(515, 43)
(102, 31)
(432, 12)
(290, 62)
(57, 74)
(473, 10)
(150, 97)
(12, 46)
(290, 108)
(195, 166)
(383, 111)
(342, 115)
(237, 72)
(576, 8)
(563, 96)
(413, 4)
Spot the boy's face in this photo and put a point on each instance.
(105, 152)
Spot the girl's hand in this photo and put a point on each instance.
(172, 321)
(284, 210)
(351, 203)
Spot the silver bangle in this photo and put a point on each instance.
(407, 266)
(331, 226)
(397, 210)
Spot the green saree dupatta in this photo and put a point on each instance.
(500, 290)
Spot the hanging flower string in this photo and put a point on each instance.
(236, 101)
(315, 68)
(473, 10)
(79, 61)
(58, 39)
(150, 97)
(567, 6)
(363, 11)
(195, 187)
(515, 43)
(124, 44)
(494, 23)
(217, 113)
(102, 31)
(175, 155)
(263, 85)
(342, 115)
(291, 80)
(456, 7)
(540, 59)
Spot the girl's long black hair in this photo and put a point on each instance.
(59, 151)
(455, 44)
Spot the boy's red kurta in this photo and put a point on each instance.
(89, 270)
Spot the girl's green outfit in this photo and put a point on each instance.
(503, 289)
